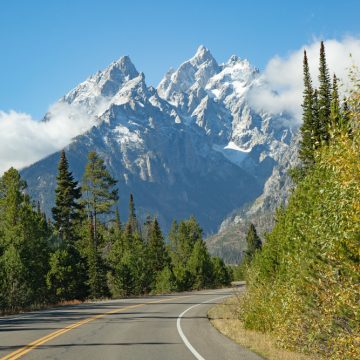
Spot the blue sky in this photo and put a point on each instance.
(47, 47)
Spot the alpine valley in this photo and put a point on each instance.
(195, 145)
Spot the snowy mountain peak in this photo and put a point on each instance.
(97, 92)
(194, 139)
(202, 55)
(191, 74)
(121, 69)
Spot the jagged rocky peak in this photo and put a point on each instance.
(203, 55)
(191, 74)
(104, 83)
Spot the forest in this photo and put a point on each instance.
(84, 251)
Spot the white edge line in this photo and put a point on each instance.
(181, 333)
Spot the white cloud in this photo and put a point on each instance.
(24, 140)
(283, 76)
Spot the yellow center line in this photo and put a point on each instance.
(27, 348)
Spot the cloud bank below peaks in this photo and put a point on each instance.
(283, 76)
(24, 140)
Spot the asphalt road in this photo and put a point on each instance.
(155, 327)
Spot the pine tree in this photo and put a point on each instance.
(324, 96)
(307, 144)
(99, 196)
(66, 210)
(118, 224)
(147, 228)
(253, 243)
(345, 118)
(23, 244)
(132, 220)
(157, 253)
(95, 267)
(335, 112)
(316, 124)
(66, 277)
(189, 232)
(220, 274)
(173, 236)
(200, 266)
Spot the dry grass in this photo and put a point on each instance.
(37, 307)
(225, 319)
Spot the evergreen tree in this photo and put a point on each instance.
(66, 278)
(96, 269)
(189, 232)
(23, 245)
(316, 125)
(183, 237)
(99, 196)
(165, 281)
(200, 266)
(324, 96)
(157, 253)
(253, 243)
(335, 112)
(345, 118)
(147, 228)
(173, 236)
(307, 144)
(67, 194)
(132, 220)
(220, 274)
(118, 224)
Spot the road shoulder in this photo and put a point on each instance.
(224, 317)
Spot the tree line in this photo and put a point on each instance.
(85, 251)
(303, 282)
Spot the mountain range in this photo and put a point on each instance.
(195, 145)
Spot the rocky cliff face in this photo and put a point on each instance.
(195, 145)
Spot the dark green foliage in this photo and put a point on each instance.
(308, 136)
(24, 249)
(66, 279)
(98, 190)
(335, 111)
(132, 220)
(253, 243)
(156, 250)
(324, 96)
(165, 281)
(66, 210)
(82, 255)
(345, 118)
(200, 266)
(221, 276)
(99, 196)
(96, 267)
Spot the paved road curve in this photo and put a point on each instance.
(150, 328)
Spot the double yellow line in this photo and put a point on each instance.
(27, 348)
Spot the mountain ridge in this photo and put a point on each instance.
(195, 141)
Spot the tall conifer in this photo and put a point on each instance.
(99, 194)
(67, 195)
(307, 144)
(324, 96)
(253, 243)
(335, 112)
(132, 220)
